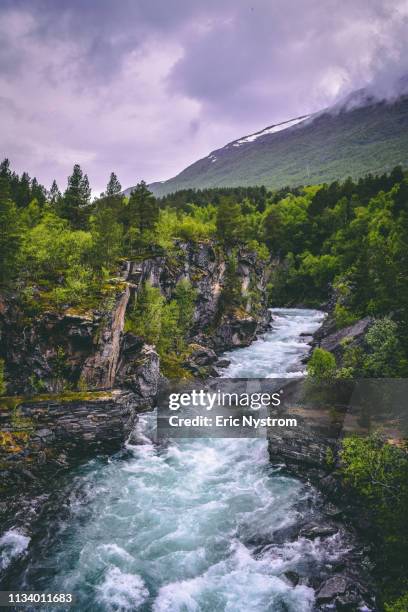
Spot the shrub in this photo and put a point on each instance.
(166, 325)
(2, 381)
(385, 356)
(399, 605)
(321, 366)
(145, 319)
(343, 316)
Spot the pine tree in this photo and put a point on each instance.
(9, 232)
(185, 296)
(54, 195)
(113, 188)
(24, 191)
(113, 197)
(397, 175)
(231, 295)
(76, 198)
(38, 192)
(229, 220)
(106, 228)
(107, 237)
(143, 209)
(5, 172)
(401, 198)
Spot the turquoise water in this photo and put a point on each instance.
(184, 526)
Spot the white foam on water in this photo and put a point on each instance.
(12, 544)
(178, 526)
(121, 591)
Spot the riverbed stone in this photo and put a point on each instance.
(336, 585)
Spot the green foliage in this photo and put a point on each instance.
(164, 324)
(398, 605)
(107, 237)
(50, 247)
(166, 228)
(198, 224)
(377, 472)
(54, 196)
(146, 317)
(10, 235)
(184, 296)
(231, 297)
(285, 225)
(142, 209)
(260, 249)
(321, 366)
(77, 286)
(305, 278)
(343, 316)
(2, 381)
(385, 356)
(353, 236)
(76, 198)
(229, 221)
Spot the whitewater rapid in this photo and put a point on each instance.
(190, 525)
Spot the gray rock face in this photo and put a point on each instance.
(31, 351)
(204, 266)
(44, 429)
(235, 331)
(202, 356)
(222, 363)
(200, 360)
(139, 370)
(353, 334)
(90, 347)
(333, 586)
(99, 370)
(312, 532)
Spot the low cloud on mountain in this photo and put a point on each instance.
(145, 88)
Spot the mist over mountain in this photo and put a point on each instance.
(365, 132)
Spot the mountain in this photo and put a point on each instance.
(354, 137)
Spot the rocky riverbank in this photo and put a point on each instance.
(311, 453)
(76, 380)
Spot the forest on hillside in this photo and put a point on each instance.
(344, 243)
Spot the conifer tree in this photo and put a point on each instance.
(76, 198)
(54, 195)
(9, 232)
(229, 220)
(38, 192)
(24, 191)
(106, 229)
(113, 188)
(143, 209)
(5, 172)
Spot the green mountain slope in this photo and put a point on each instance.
(324, 147)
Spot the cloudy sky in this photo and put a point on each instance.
(145, 87)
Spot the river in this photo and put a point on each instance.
(194, 525)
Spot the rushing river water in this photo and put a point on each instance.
(186, 526)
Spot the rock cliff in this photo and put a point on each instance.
(50, 351)
(76, 379)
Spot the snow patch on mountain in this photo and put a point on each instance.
(278, 127)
